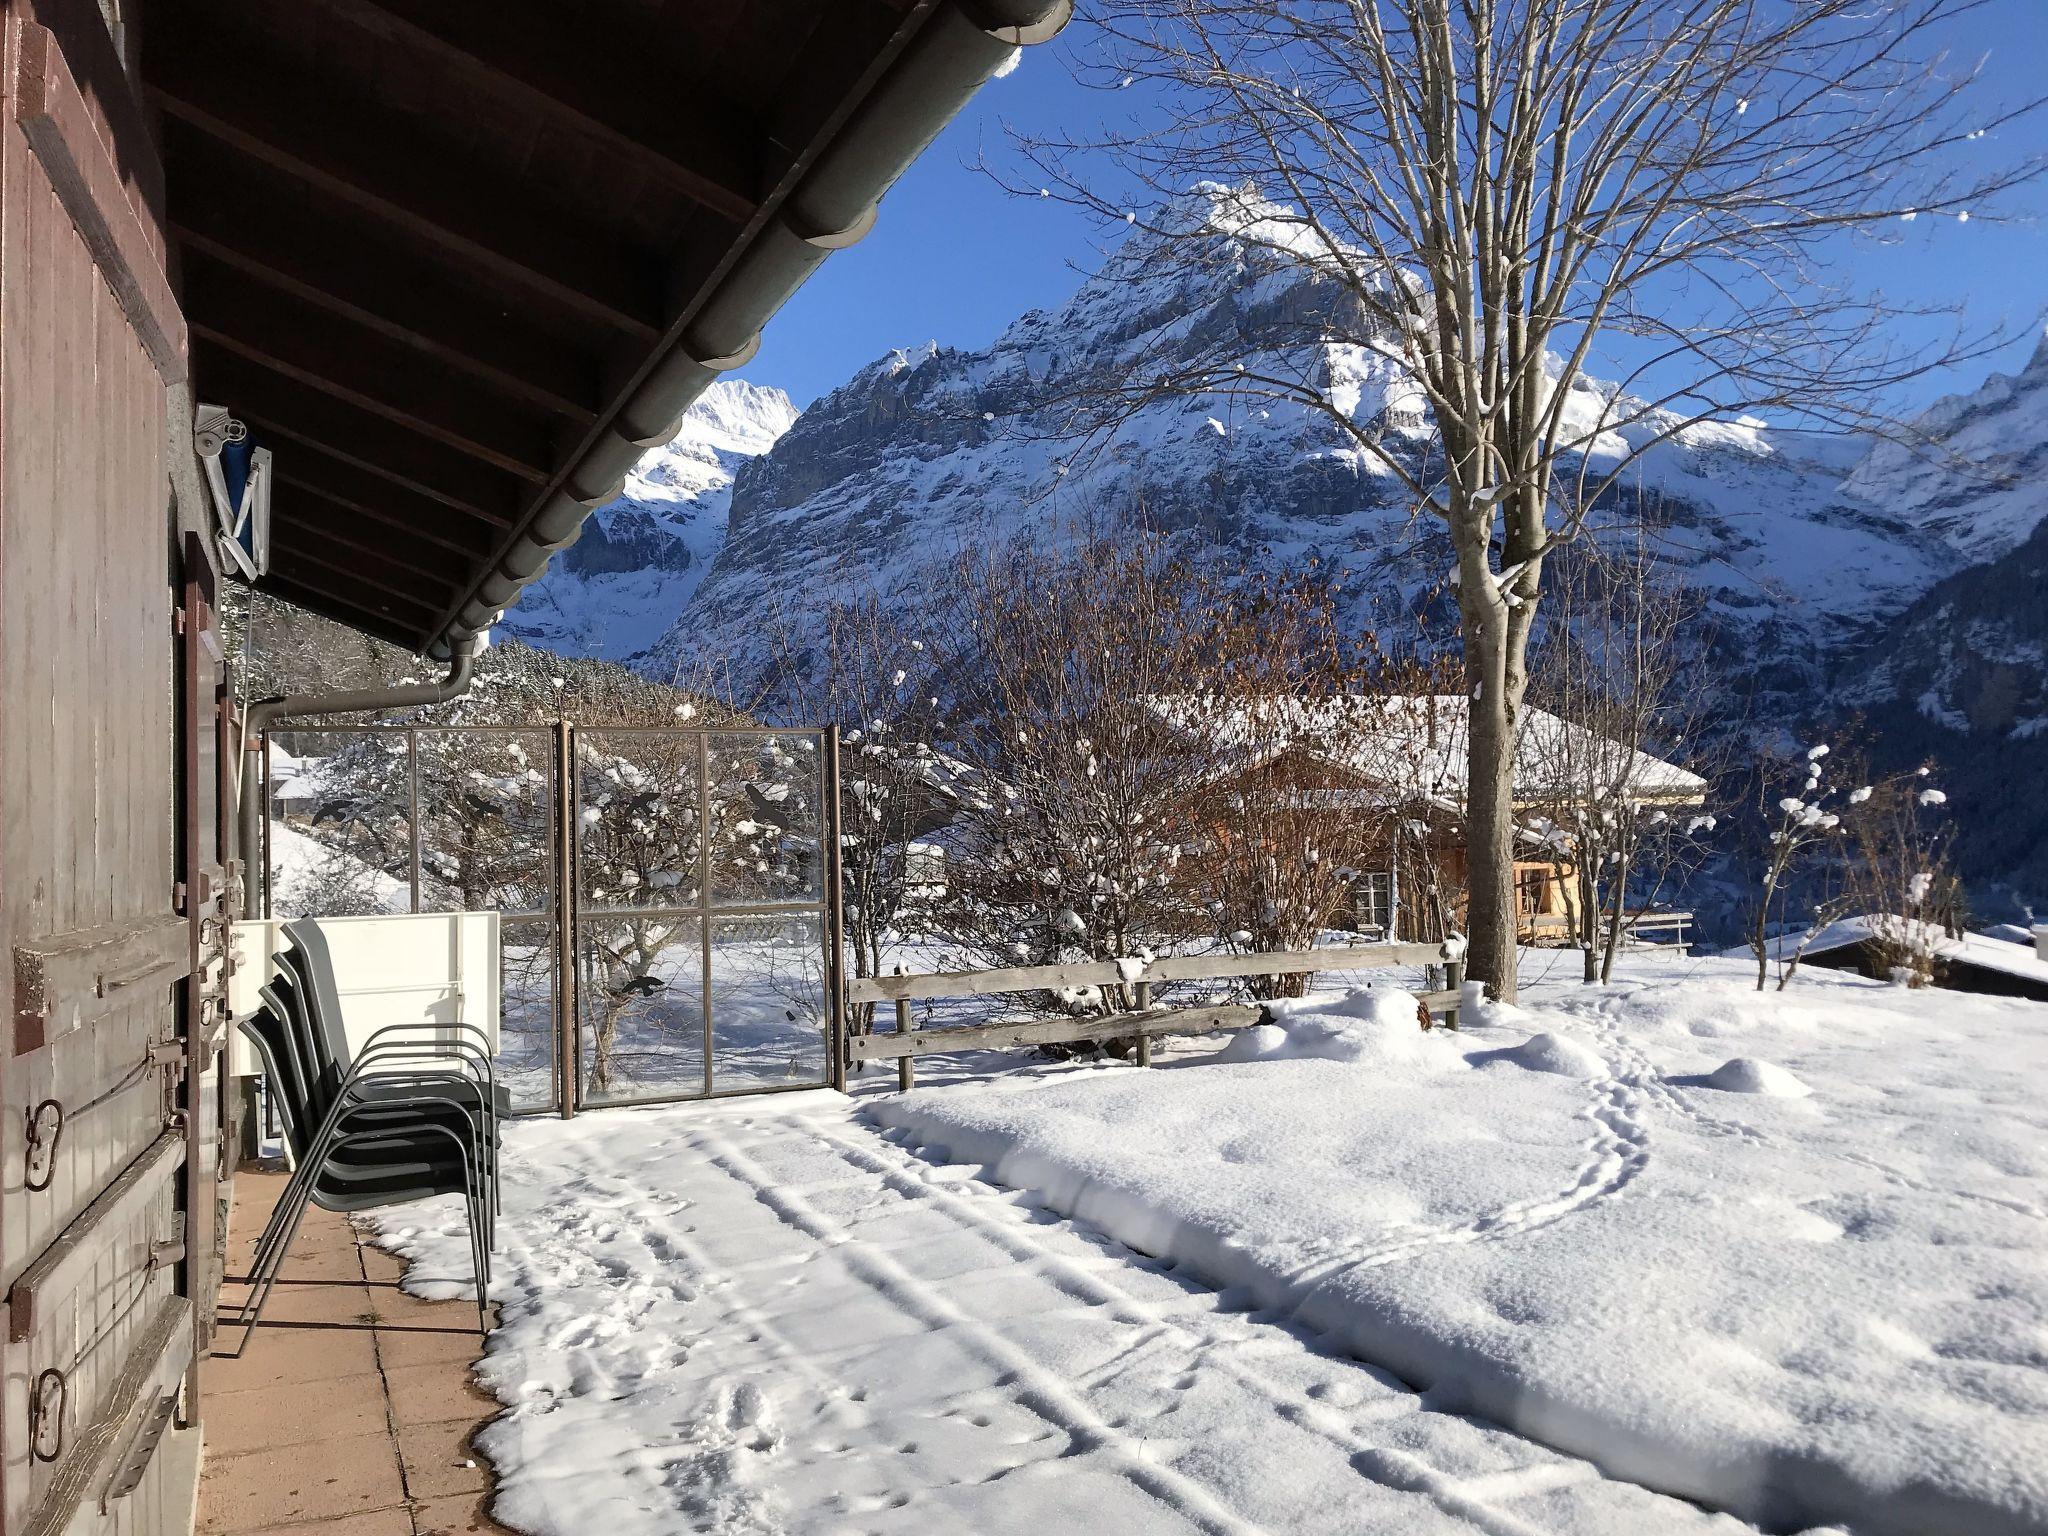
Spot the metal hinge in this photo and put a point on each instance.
(169, 1250)
(135, 1460)
(167, 1053)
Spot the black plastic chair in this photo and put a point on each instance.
(403, 1119)
(313, 963)
(311, 1089)
(308, 964)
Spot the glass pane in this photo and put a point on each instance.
(340, 823)
(640, 990)
(486, 804)
(526, 1013)
(637, 819)
(767, 1001)
(766, 797)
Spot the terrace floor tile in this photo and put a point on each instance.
(345, 1362)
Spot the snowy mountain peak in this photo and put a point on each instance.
(1971, 471)
(640, 558)
(738, 417)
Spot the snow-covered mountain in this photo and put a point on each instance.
(1842, 574)
(625, 581)
(1800, 545)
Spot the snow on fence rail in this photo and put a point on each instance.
(1142, 1021)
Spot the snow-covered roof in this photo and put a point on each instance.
(2017, 960)
(1418, 743)
(293, 777)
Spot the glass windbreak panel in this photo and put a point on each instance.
(767, 1001)
(640, 990)
(526, 1012)
(340, 823)
(767, 793)
(486, 810)
(636, 831)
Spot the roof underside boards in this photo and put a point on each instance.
(456, 262)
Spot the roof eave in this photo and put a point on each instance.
(942, 54)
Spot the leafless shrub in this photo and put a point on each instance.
(1898, 874)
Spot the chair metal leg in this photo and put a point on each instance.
(263, 1277)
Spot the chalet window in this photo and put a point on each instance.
(1372, 902)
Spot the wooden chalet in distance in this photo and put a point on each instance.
(1403, 761)
(423, 277)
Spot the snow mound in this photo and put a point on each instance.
(1561, 1054)
(1364, 1024)
(1795, 1324)
(1746, 1074)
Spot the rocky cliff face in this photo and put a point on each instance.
(1841, 575)
(628, 578)
(931, 449)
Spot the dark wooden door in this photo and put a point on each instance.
(99, 1081)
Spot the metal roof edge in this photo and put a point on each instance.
(832, 204)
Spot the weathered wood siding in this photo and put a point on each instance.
(97, 1333)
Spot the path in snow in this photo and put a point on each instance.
(770, 1318)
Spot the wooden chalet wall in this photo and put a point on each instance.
(109, 870)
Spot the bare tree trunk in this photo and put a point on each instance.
(1490, 815)
(1620, 909)
(1761, 937)
(1589, 918)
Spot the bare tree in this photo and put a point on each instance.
(862, 664)
(1898, 875)
(1495, 195)
(1072, 845)
(1619, 757)
(1318, 765)
(1802, 811)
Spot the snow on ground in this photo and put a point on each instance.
(1804, 1307)
(1607, 1225)
(765, 1317)
(306, 875)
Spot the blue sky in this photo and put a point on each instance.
(954, 259)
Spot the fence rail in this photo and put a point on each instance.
(1637, 926)
(1143, 1023)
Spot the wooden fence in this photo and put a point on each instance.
(1142, 1022)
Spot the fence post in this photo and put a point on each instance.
(1142, 996)
(565, 920)
(835, 916)
(1454, 977)
(906, 1075)
(412, 811)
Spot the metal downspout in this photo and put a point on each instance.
(265, 713)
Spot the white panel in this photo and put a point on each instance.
(440, 967)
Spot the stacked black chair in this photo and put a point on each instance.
(412, 1115)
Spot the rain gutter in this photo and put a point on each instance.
(832, 204)
(265, 713)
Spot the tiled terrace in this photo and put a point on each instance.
(351, 1412)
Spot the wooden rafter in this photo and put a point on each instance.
(379, 622)
(288, 408)
(236, 99)
(676, 136)
(287, 558)
(386, 566)
(327, 261)
(324, 352)
(341, 495)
